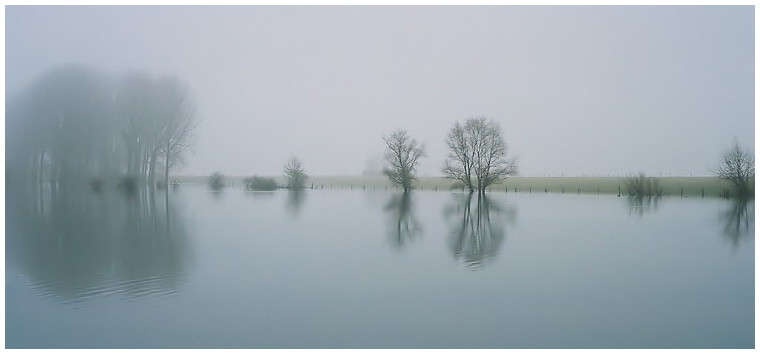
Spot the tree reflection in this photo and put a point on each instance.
(403, 226)
(79, 244)
(476, 238)
(640, 205)
(738, 219)
(296, 197)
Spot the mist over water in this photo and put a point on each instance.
(188, 177)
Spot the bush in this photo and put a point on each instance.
(216, 181)
(256, 183)
(643, 186)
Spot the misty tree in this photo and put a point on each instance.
(738, 167)
(402, 155)
(75, 123)
(177, 109)
(138, 120)
(294, 173)
(477, 154)
(157, 118)
(64, 124)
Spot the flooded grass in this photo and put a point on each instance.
(673, 186)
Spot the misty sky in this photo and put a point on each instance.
(577, 90)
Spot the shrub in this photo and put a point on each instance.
(643, 186)
(256, 183)
(216, 181)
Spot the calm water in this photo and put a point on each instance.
(375, 269)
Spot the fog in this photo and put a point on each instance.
(577, 90)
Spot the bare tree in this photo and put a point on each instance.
(460, 159)
(294, 173)
(478, 154)
(738, 167)
(402, 156)
(178, 124)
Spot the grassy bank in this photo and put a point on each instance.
(674, 186)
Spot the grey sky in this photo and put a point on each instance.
(577, 90)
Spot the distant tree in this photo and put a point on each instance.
(294, 173)
(402, 156)
(478, 154)
(216, 181)
(738, 167)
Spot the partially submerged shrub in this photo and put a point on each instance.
(643, 186)
(256, 183)
(216, 181)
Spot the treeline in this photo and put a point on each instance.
(76, 124)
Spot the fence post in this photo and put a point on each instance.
(703, 193)
(530, 189)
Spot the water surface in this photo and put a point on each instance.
(377, 269)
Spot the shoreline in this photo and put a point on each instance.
(673, 186)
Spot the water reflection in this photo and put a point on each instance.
(295, 200)
(77, 244)
(403, 226)
(476, 238)
(738, 219)
(640, 205)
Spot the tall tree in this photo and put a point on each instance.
(402, 155)
(477, 154)
(65, 121)
(74, 123)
